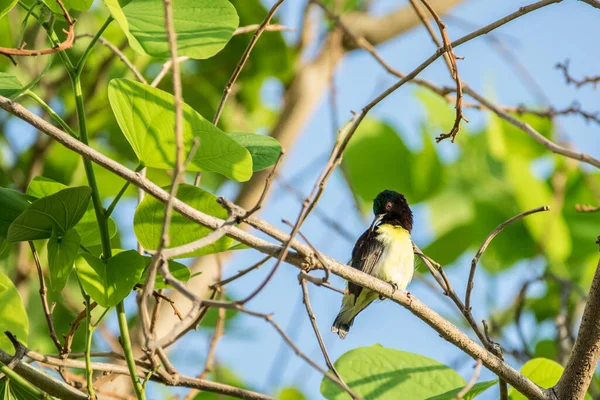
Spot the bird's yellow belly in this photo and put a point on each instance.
(396, 264)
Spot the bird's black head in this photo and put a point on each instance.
(392, 208)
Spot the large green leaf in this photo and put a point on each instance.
(12, 204)
(541, 371)
(13, 317)
(506, 140)
(264, 150)
(61, 210)
(426, 171)
(548, 229)
(117, 13)
(62, 251)
(377, 159)
(291, 393)
(87, 227)
(149, 216)
(381, 373)
(203, 26)
(9, 84)
(146, 116)
(110, 281)
(79, 5)
(475, 391)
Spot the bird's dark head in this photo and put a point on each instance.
(392, 208)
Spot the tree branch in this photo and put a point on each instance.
(576, 378)
(304, 258)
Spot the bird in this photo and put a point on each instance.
(384, 251)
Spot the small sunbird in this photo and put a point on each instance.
(384, 251)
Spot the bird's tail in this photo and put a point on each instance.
(350, 309)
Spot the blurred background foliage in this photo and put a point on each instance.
(496, 173)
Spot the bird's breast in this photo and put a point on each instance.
(397, 260)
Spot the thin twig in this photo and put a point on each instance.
(118, 53)
(471, 383)
(451, 57)
(313, 322)
(64, 353)
(241, 30)
(43, 296)
(66, 44)
(564, 67)
(485, 244)
(268, 182)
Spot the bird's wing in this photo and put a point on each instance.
(365, 256)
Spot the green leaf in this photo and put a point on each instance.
(62, 251)
(178, 270)
(12, 204)
(41, 186)
(264, 150)
(149, 215)
(549, 229)
(9, 84)
(291, 393)
(146, 116)
(87, 227)
(117, 13)
(12, 391)
(203, 26)
(13, 316)
(507, 139)
(110, 281)
(541, 371)
(377, 372)
(475, 391)
(377, 159)
(61, 210)
(79, 5)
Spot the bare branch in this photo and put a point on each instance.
(66, 44)
(471, 383)
(578, 373)
(564, 67)
(485, 244)
(43, 292)
(302, 259)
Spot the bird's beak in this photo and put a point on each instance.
(376, 220)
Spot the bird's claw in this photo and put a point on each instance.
(394, 288)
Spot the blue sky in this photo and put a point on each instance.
(540, 40)
(251, 348)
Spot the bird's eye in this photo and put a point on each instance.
(388, 206)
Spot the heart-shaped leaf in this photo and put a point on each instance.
(87, 227)
(147, 118)
(149, 217)
(61, 211)
(13, 317)
(376, 372)
(264, 150)
(110, 281)
(62, 251)
(203, 26)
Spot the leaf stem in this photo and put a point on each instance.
(51, 112)
(22, 382)
(113, 204)
(88, 50)
(89, 171)
(89, 333)
(125, 341)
